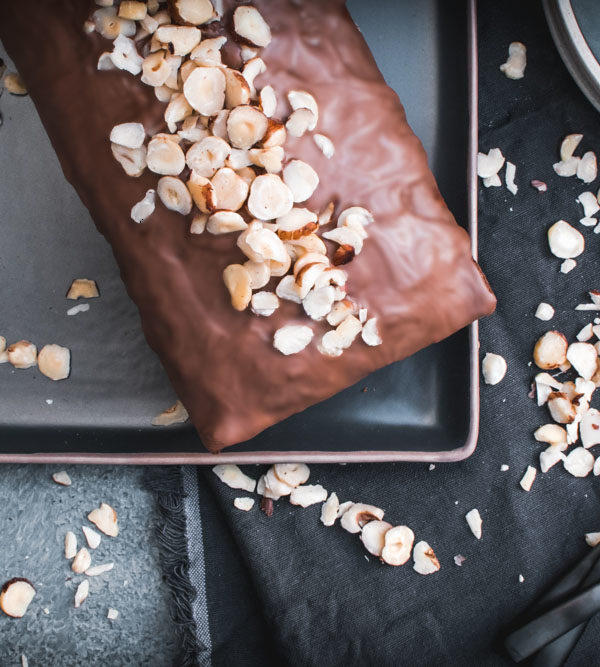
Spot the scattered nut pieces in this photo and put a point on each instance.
(97, 570)
(329, 510)
(264, 303)
(370, 333)
(145, 207)
(15, 597)
(553, 434)
(587, 168)
(584, 359)
(292, 338)
(474, 520)
(301, 99)
(92, 537)
(250, 26)
(550, 457)
(579, 462)
(514, 67)
(459, 560)
(565, 241)
(307, 495)
(192, 12)
(301, 178)
(130, 135)
(373, 536)
(61, 478)
(325, 145)
(14, 84)
(231, 475)
(54, 361)
(82, 561)
(550, 351)
(561, 408)
(244, 504)
(22, 354)
(589, 428)
(356, 515)
(528, 478)
(509, 177)
(540, 186)
(586, 333)
(174, 194)
(70, 545)
(398, 545)
(105, 520)
(125, 56)
(112, 614)
(489, 165)
(568, 265)
(544, 312)
(238, 281)
(176, 414)
(592, 539)
(569, 145)
(493, 368)
(269, 198)
(425, 559)
(589, 202)
(82, 592)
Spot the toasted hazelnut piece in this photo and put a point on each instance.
(565, 241)
(204, 89)
(344, 507)
(370, 333)
(239, 159)
(544, 312)
(61, 478)
(329, 510)
(82, 561)
(589, 202)
(568, 167)
(492, 181)
(263, 245)
(359, 514)
(70, 545)
(550, 457)
(234, 478)
(579, 462)
(347, 331)
(237, 280)
(553, 434)
(244, 504)
(208, 155)
(489, 165)
(208, 52)
(587, 168)
(145, 207)
(295, 219)
(292, 338)
(246, 126)
(301, 178)
(592, 539)
(349, 217)
(275, 486)
(288, 290)
(192, 12)
(248, 52)
(109, 25)
(344, 253)
(176, 414)
(299, 122)
(275, 135)
(198, 223)
(340, 311)
(550, 351)
(149, 23)
(332, 276)
(250, 26)
(270, 197)
(568, 146)
(301, 99)
(105, 519)
(568, 265)
(308, 228)
(125, 56)
(183, 38)
(308, 495)
(237, 90)
(493, 368)
(131, 135)
(218, 124)
(133, 10)
(192, 129)
(268, 101)
(83, 590)
(307, 277)
(15, 597)
(310, 258)
(398, 544)
(584, 358)
(97, 570)
(586, 333)
(2, 345)
(22, 354)
(540, 186)
(425, 559)
(83, 288)
(105, 62)
(270, 159)
(373, 536)
(231, 190)
(165, 157)
(133, 160)
(224, 222)
(310, 243)
(177, 110)
(264, 303)
(589, 428)
(318, 302)
(253, 68)
(92, 538)
(174, 63)
(326, 214)
(174, 194)
(528, 478)
(561, 408)
(514, 67)
(325, 145)
(54, 362)
(474, 521)
(345, 236)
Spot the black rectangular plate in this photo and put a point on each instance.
(423, 408)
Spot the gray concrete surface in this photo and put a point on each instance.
(36, 513)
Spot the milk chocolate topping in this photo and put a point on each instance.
(415, 273)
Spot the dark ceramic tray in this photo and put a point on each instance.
(425, 408)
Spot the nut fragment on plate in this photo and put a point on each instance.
(270, 197)
(397, 545)
(133, 160)
(568, 265)
(589, 428)
(592, 539)
(70, 545)
(373, 536)
(489, 165)
(584, 359)
(133, 9)
(358, 514)
(561, 408)
(176, 414)
(299, 122)
(329, 510)
(301, 178)
(569, 145)
(22, 354)
(586, 333)
(475, 522)
(238, 282)
(54, 361)
(105, 519)
(514, 67)
(82, 561)
(307, 495)
(244, 504)
(250, 26)
(174, 194)
(553, 434)
(544, 312)
(509, 177)
(426, 561)
(579, 462)
(268, 101)
(165, 157)
(192, 12)
(130, 135)
(97, 570)
(325, 145)
(112, 614)
(225, 222)
(83, 288)
(246, 126)
(145, 207)
(92, 537)
(370, 332)
(231, 475)
(15, 597)
(540, 186)
(82, 592)
(550, 350)
(293, 474)
(14, 84)
(125, 56)
(550, 457)
(565, 241)
(589, 202)
(61, 478)
(528, 478)
(302, 99)
(292, 338)
(587, 168)
(264, 303)
(493, 368)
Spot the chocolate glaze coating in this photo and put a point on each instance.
(415, 272)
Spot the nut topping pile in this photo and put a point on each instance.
(223, 162)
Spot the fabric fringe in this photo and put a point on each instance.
(167, 484)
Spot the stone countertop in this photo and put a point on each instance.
(37, 513)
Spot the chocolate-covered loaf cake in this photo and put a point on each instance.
(400, 263)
